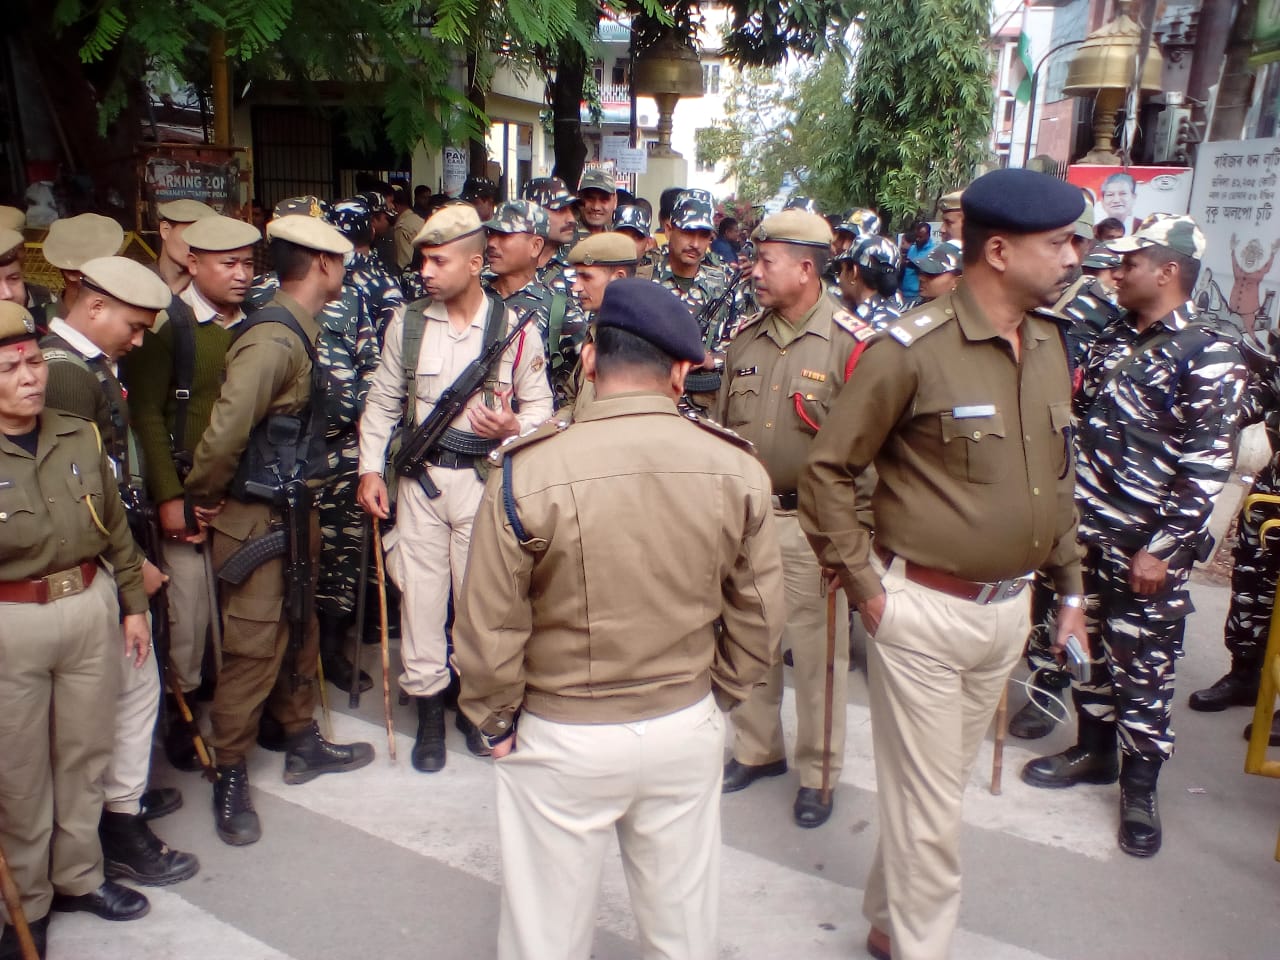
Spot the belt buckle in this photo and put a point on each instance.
(1000, 591)
(65, 583)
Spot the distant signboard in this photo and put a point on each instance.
(633, 161)
(211, 180)
(455, 170)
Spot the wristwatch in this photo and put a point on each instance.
(493, 741)
(1073, 600)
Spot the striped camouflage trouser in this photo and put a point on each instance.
(1134, 644)
(1253, 577)
(341, 523)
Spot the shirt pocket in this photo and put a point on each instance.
(19, 528)
(87, 483)
(744, 400)
(429, 374)
(1063, 436)
(815, 399)
(975, 448)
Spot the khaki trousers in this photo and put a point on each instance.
(189, 613)
(426, 555)
(58, 678)
(935, 670)
(255, 643)
(137, 706)
(568, 789)
(758, 722)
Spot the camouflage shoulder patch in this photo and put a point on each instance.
(724, 433)
(913, 325)
(858, 328)
(550, 428)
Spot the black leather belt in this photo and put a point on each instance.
(786, 501)
(450, 459)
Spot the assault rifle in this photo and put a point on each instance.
(411, 460)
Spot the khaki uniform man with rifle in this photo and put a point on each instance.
(428, 376)
(254, 469)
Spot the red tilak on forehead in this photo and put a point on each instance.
(21, 349)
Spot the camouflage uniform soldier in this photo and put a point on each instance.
(686, 272)
(857, 225)
(1157, 411)
(868, 275)
(635, 222)
(365, 271)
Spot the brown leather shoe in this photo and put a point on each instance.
(878, 944)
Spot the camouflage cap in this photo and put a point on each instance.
(218, 233)
(479, 188)
(550, 193)
(873, 252)
(73, 240)
(943, 258)
(1084, 223)
(861, 222)
(449, 223)
(807, 204)
(308, 206)
(693, 211)
(605, 249)
(16, 323)
(127, 281)
(11, 218)
(520, 216)
(1180, 234)
(309, 232)
(375, 201)
(352, 216)
(631, 217)
(794, 226)
(184, 211)
(597, 179)
(9, 240)
(950, 202)
(1100, 258)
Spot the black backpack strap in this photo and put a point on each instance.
(183, 323)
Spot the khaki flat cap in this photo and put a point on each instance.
(950, 202)
(217, 233)
(16, 323)
(449, 224)
(73, 240)
(9, 239)
(794, 226)
(308, 232)
(127, 281)
(185, 211)
(11, 218)
(606, 249)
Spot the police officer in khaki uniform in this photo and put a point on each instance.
(119, 300)
(616, 681)
(60, 641)
(597, 261)
(269, 372)
(70, 242)
(427, 550)
(13, 285)
(952, 214)
(964, 408)
(175, 216)
(781, 374)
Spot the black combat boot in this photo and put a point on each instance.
(132, 852)
(1091, 760)
(1237, 688)
(11, 950)
(428, 746)
(111, 901)
(1033, 722)
(1139, 813)
(236, 820)
(475, 743)
(1274, 738)
(311, 755)
(338, 670)
(179, 748)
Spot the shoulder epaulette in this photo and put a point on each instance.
(917, 323)
(858, 328)
(550, 428)
(724, 433)
(57, 353)
(750, 321)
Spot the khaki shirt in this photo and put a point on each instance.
(268, 371)
(768, 365)
(972, 447)
(609, 615)
(45, 526)
(407, 226)
(444, 354)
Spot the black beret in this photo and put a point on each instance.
(1021, 201)
(652, 313)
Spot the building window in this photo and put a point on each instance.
(711, 77)
(620, 71)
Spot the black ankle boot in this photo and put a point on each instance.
(1140, 832)
(311, 755)
(1032, 722)
(9, 947)
(234, 817)
(1237, 688)
(428, 747)
(338, 670)
(179, 747)
(475, 743)
(1091, 760)
(132, 852)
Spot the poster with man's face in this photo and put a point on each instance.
(1128, 195)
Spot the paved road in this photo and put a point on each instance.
(390, 863)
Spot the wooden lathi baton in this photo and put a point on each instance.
(13, 902)
(386, 653)
(828, 707)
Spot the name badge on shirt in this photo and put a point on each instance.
(977, 410)
(814, 375)
(746, 372)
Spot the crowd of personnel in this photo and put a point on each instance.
(615, 473)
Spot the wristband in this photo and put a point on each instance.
(1072, 600)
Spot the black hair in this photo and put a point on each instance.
(818, 256)
(1111, 223)
(421, 188)
(973, 237)
(1188, 267)
(644, 205)
(291, 261)
(667, 202)
(628, 268)
(625, 197)
(618, 349)
(727, 224)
